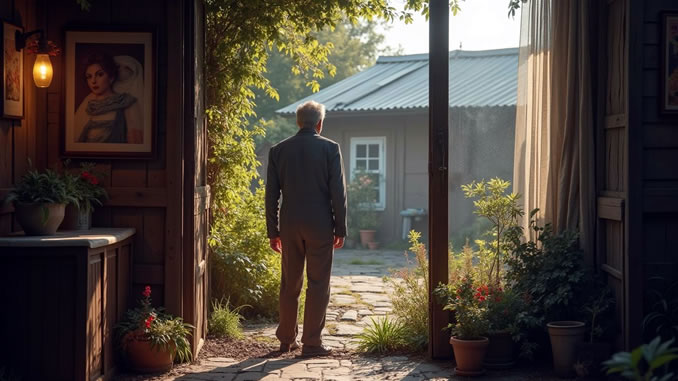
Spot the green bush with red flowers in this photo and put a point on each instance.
(470, 303)
(85, 186)
(164, 331)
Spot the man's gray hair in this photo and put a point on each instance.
(310, 113)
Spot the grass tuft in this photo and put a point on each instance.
(382, 336)
(225, 321)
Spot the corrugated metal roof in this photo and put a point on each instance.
(477, 79)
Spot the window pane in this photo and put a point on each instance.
(373, 164)
(376, 196)
(360, 150)
(374, 150)
(360, 164)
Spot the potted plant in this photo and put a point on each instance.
(592, 353)
(86, 187)
(39, 201)
(151, 339)
(361, 205)
(503, 308)
(548, 272)
(469, 341)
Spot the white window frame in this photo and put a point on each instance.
(381, 141)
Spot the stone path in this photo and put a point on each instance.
(358, 294)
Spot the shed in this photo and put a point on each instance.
(380, 118)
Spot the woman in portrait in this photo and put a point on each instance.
(106, 115)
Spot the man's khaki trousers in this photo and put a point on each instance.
(318, 253)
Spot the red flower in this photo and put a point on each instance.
(147, 292)
(85, 175)
(149, 320)
(93, 180)
(481, 298)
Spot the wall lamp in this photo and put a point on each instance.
(42, 68)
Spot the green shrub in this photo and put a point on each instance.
(383, 335)
(225, 321)
(410, 295)
(549, 273)
(648, 362)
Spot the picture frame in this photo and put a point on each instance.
(110, 87)
(669, 64)
(12, 91)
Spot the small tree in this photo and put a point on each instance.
(501, 210)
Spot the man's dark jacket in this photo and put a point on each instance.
(308, 170)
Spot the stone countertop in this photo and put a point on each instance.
(93, 238)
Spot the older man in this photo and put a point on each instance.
(307, 169)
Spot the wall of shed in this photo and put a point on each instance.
(481, 147)
(144, 194)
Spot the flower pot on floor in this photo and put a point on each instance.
(39, 218)
(500, 351)
(565, 337)
(367, 236)
(469, 355)
(373, 245)
(143, 358)
(76, 219)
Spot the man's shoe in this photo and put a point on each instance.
(289, 347)
(312, 351)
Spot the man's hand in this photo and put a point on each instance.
(276, 245)
(338, 242)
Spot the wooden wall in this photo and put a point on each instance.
(144, 194)
(653, 151)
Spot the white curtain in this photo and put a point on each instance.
(554, 167)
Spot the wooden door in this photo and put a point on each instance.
(612, 152)
(196, 190)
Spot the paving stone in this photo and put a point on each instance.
(384, 310)
(383, 304)
(338, 378)
(251, 376)
(344, 299)
(350, 315)
(276, 364)
(348, 330)
(341, 371)
(425, 367)
(364, 312)
(306, 375)
(360, 288)
(321, 363)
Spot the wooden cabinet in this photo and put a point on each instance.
(61, 296)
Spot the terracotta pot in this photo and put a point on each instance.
(469, 355)
(76, 219)
(367, 236)
(39, 218)
(373, 245)
(500, 351)
(143, 358)
(565, 337)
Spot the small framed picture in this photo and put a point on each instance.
(110, 94)
(669, 64)
(12, 73)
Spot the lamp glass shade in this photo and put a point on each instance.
(42, 70)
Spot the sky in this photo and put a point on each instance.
(481, 25)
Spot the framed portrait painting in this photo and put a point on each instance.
(12, 73)
(110, 91)
(669, 64)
